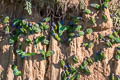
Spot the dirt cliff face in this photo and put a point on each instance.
(33, 68)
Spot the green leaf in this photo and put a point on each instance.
(87, 11)
(62, 63)
(89, 30)
(49, 53)
(6, 20)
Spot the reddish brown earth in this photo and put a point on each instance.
(34, 69)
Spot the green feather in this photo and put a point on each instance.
(72, 70)
(61, 28)
(71, 34)
(85, 44)
(46, 26)
(75, 59)
(87, 71)
(105, 18)
(47, 19)
(7, 30)
(49, 53)
(29, 54)
(78, 28)
(117, 40)
(63, 76)
(23, 30)
(67, 72)
(90, 45)
(87, 11)
(19, 52)
(105, 4)
(39, 39)
(85, 63)
(43, 54)
(93, 21)
(115, 33)
(81, 33)
(113, 77)
(90, 61)
(101, 36)
(57, 37)
(11, 41)
(35, 28)
(28, 41)
(110, 36)
(107, 0)
(78, 76)
(16, 22)
(62, 63)
(15, 70)
(81, 68)
(96, 6)
(6, 20)
(45, 42)
(89, 30)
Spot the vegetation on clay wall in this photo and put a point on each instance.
(17, 27)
